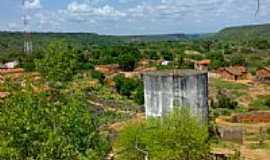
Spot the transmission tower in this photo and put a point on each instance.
(28, 45)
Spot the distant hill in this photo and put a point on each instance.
(101, 39)
(161, 37)
(245, 32)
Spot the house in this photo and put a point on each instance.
(234, 73)
(263, 74)
(165, 63)
(10, 65)
(202, 65)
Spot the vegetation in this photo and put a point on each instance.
(224, 101)
(69, 117)
(42, 126)
(245, 32)
(261, 103)
(128, 86)
(99, 76)
(176, 136)
(60, 62)
(128, 61)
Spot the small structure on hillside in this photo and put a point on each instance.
(263, 74)
(11, 65)
(165, 63)
(234, 73)
(202, 65)
(164, 90)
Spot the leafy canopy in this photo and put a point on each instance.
(178, 135)
(40, 126)
(60, 62)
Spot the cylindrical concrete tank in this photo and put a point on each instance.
(164, 90)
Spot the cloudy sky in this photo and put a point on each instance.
(131, 16)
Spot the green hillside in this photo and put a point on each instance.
(245, 32)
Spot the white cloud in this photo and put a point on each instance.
(32, 4)
(86, 9)
(108, 11)
(128, 16)
(76, 7)
(14, 27)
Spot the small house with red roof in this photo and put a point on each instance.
(234, 73)
(202, 65)
(263, 74)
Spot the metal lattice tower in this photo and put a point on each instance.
(28, 45)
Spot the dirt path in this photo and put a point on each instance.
(253, 92)
(255, 154)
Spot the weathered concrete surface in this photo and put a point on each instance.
(179, 88)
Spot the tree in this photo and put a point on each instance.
(151, 54)
(125, 86)
(128, 61)
(217, 59)
(167, 55)
(178, 135)
(138, 95)
(98, 75)
(60, 62)
(224, 101)
(238, 60)
(39, 126)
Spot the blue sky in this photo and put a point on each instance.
(130, 17)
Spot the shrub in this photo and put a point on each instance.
(60, 62)
(176, 136)
(38, 127)
(139, 94)
(125, 86)
(224, 101)
(128, 61)
(217, 59)
(267, 102)
(238, 60)
(167, 55)
(98, 75)
(151, 54)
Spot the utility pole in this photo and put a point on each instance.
(28, 45)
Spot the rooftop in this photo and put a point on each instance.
(204, 62)
(235, 70)
(178, 72)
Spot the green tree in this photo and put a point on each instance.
(125, 86)
(238, 60)
(60, 62)
(98, 75)
(39, 126)
(151, 54)
(224, 101)
(138, 95)
(128, 61)
(167, 55)
(178, 135)
(217, 59)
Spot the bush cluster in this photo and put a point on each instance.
(39, 126)
(176, 136)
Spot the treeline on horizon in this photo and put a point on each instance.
(221, 47)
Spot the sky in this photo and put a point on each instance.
(130, 17)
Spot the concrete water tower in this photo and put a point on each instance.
(164, 90)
